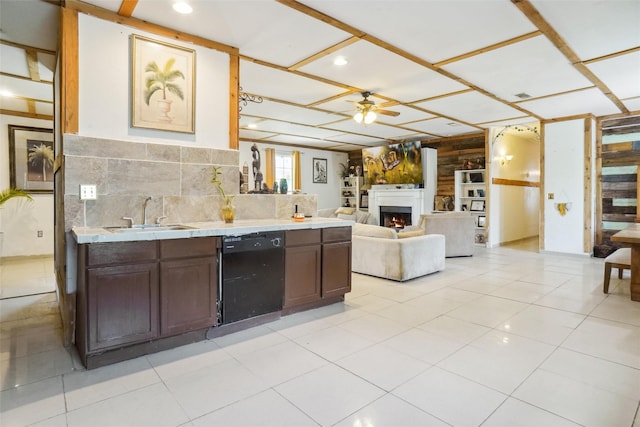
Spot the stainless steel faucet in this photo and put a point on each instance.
(144, 211)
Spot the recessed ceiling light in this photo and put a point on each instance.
(453, 124)
(340, 60)
(523, 95)
(182, 7)
(252, 126)
(6, 93)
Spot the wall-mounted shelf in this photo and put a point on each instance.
(470, 195)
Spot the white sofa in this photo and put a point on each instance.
(458, 229)
(352, 214)
(381, 252)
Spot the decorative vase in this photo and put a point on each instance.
(283, 186)
(228, 213)
(164, 106)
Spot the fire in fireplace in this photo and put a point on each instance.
(397, 217)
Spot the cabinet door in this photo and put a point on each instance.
(123, 304)
(336, 269)
(188, 291)
(302, 275)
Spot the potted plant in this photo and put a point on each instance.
(228, 211)
(161, 80)
(11, 193)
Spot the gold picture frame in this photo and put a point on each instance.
(163, 85)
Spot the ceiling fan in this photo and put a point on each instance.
(367, 110)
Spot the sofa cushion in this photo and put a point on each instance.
(414, 233)
(345, 216)
(373, 231)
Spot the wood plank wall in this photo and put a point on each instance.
(452, 154)
(620, 163)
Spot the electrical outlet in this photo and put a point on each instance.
(39, 233)
(88, 192)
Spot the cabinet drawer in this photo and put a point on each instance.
(302, 237)
(187, 248)
(121, 252)
(336, 234)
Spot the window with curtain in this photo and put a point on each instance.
(284, 168)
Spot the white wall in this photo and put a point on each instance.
(105, 105)
(328, 194)
(514, 210)
(564, 162)
(20, 221)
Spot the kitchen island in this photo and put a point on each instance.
(146, 290)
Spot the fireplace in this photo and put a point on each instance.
(397, 217)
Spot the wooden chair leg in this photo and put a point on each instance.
(607, 277)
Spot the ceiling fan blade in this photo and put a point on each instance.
(387, 113)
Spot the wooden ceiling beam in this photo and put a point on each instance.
(536, 19)
(24, 114)
(323, 53)
(127, 7)
(16, 76)
(32, 64)
(27, 47)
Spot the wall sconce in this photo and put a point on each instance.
(504, 159)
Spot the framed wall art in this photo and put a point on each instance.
(163, 85)
(319, 171)
(31, 158)
(477, 206)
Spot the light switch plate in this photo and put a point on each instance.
(88, 192)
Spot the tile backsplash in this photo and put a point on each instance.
(178, 179)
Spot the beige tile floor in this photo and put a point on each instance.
(504, 338)
(26, 276)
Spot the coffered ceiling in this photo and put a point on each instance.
(448, 67)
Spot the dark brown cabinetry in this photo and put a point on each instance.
(133, 293)
(336, 261)
(188, 282)
(317, 267)
(302, 260)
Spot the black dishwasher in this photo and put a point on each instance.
(252, 275)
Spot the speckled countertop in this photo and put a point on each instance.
(84, 235)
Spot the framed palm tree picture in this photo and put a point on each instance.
(163, 85)
(31, 158)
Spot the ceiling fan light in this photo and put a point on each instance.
(182, 7)
(370, 117)
(358, 117)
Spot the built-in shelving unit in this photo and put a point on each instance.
(350, 191)
(470, 195)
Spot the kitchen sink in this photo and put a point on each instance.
(148, 228)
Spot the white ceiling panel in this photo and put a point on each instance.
(14, 60)
(260, 29)
(272, 83)
(373, 129)
(532, 66)
(254, 134)
(621, 74)
(44, 108)
(443, 127)
(27, 88)
(30, 23)
(13, 104)
(358, 139)
(570, 104)
(433, 30)
(280, 111)
(594, 28)
(293, 129)
(503, 123)
(399, 78)
(291, 139)
(471, 107)
(632, 104)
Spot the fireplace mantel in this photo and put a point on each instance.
(391, 196)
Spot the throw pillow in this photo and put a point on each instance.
(362, 217)
(345, 210)
(405, 234)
